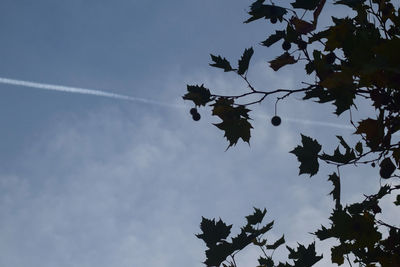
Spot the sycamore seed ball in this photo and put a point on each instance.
(196, 116)
(193, 111)
(276, 120)
(286, 45)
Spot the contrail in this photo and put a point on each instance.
(321, 123)
(311, 122)
(77, 90)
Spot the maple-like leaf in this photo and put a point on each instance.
(217, 254)
(306, 4)
(342, 142)
(235, 130)
(355, 4)
(265, 228)
(360, 229)
(340, 86)
(334, 178)
(242, 240)
(221, 63)
(265, 262)
(307, 155)
(245, 60)
(338, 252)
(273, 38)
(319, 92)
(304, 257)
(198, 94)
(282, 60)
(235, 120)
(258, 10)
(338, 157)
(256, 217)
(397, 202)
(359, 148)
(302, 26)
(213, 232)
(277, 243)
(373, 130)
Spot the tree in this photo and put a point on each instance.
(355, 57)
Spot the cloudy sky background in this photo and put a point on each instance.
(92, 181)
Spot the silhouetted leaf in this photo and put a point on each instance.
(368, 205)
(310, 68)
(338, 157)
(319, 92)
(386, 168)
(383, 191)
(322, 68)
(265, 228)
(277, 243)
(373, 130)
(344, 99)
(224, 108)
(234, 123)
(334, 178)
(350, 3)
(265, 262)
(213, 232)
(281, 61)
(304, 257)
(217, 254)
(198, 94)
(343, 143)
(323, 233)
(357, 228)
(258, 10)
(235, 129)
(307, 155)
(244, 61)
(396, 155)
(259, 243)
(221, 63)
(273, 38)
(338, 252)
(306, 4)
(397, 202)
(242, 240)
(291, 34)
(341, 87)
(256, 217)
(302, 26)
(318, 36)
(359, 148)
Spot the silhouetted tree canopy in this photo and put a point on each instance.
(356, 56)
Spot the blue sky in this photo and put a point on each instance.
(92, 181)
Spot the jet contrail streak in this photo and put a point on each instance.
(321, 123)
(310, 122)
(77, 90)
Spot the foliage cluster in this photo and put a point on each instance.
(357, 56)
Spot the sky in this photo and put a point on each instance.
(96, 181)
